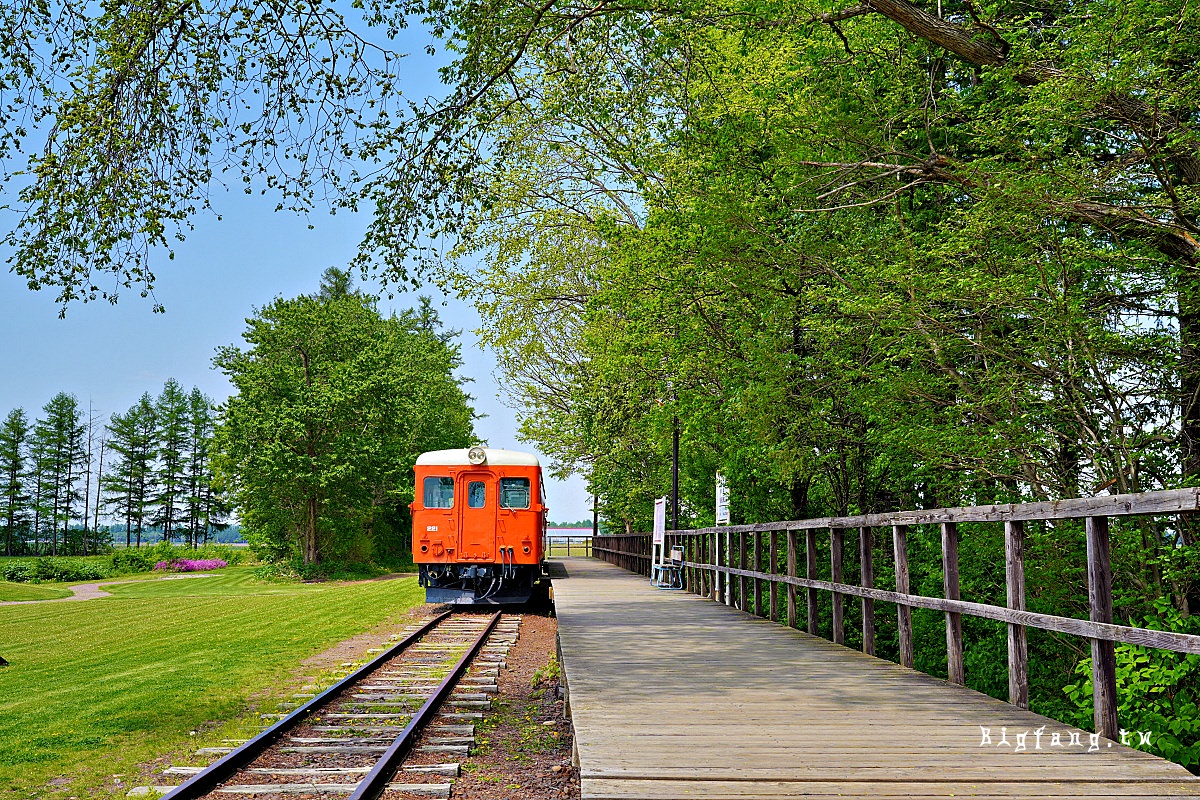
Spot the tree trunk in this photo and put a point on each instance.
(798, 493)
(99, 484)
(310, 533)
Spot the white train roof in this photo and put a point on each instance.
(495, 457)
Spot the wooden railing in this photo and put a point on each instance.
(563, 544)
(707, 572)
(629, 551)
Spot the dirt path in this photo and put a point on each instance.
(92, 591)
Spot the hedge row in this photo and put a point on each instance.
(120, 562)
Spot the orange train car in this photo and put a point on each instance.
(479, 526)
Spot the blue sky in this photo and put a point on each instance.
(108, 355)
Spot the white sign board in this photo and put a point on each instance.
(660, 519)
(722, 500)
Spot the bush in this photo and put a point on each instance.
(118, 563)
(129, 562)
(294, 569)
(190, 565)
(1158, 691)
(55, 569)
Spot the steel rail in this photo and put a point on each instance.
(376, 781)
(219, 771)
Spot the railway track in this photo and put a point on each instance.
(385, 730)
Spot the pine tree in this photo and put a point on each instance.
(118, 485)
(14, 443)
(197, 474)
(58, 453)
(88, 533)
(171, 411)
(133, 440)
(75, 458)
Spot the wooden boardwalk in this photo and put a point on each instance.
(675, 696)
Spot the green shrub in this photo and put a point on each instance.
(64, 568)
(294, 569)
(1158, 691)
(129, 562)
(119, 562)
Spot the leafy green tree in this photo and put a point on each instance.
(333, 404)
(173, 97)
(14, 443)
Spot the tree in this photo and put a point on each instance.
(130, 481)
(333, 403)
(14, 442)
(171, 412)
(175, 100)
(197, 474)
(58, 456)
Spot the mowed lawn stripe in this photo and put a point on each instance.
(95, 687)
(24, 591)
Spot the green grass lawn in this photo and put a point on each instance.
(97, 687)
(28, 591)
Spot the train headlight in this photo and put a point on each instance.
(477, 455)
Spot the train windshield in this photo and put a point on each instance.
(514, 492)
(439, 492)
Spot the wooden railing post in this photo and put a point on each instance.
(791, 571)
(867, 580)
(1018, 645)
(1100, 605)
(728, 561)
(758, 584)
(687, 542)
(710, 558)
(903, 612)
(706, 558)
(954, 640)
(836, 544)
(773, 547)
(810, 559)
(742, 595)
(714, 558)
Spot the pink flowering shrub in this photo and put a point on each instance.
(190, 565)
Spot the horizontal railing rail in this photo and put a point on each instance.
(708, 571)
(629, 551)
(575, 544)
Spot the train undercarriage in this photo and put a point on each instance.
(483, 584)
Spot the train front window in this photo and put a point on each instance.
(476, 494)
(439, 492)
(514, 492)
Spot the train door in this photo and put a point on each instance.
(478, 527)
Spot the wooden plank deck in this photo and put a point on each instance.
(676, 696)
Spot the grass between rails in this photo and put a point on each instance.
(97, 687)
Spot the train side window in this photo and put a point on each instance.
(514, 492)
(439, 492)
(476, 494)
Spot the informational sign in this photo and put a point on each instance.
(722, 500)
(660, 519)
